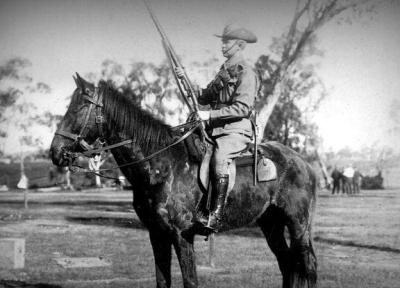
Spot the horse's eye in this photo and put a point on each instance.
(87, 91)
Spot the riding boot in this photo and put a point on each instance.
(214, 221)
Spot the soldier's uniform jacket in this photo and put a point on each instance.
(231, 96)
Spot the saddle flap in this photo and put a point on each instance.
(204, 171)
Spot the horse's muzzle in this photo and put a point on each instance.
(59, 156)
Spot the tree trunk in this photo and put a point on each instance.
(266, 110)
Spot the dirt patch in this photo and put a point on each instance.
(22, 284)
(82, 262)
(108, 221)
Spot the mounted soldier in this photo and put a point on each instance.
(155, 160)
(231, 96)
(226, 130)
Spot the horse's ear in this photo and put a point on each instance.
(82, 83)
(76, 80)
(78, 76)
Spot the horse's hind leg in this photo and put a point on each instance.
(272, 224)
(304, 269)
(186, 256)
(298, 263)
(162, 245)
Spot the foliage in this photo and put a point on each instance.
(378, 158)
(377, 164)
(372, 182)
(42, 173)
(298, 43)
(18, 111)
(150, 86)
(37, 173)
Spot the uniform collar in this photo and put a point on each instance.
(235, 59)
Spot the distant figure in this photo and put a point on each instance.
(336, 177)
(348, 175)
(61, 177)
(357, 179)
(23, 182)
(121, 182)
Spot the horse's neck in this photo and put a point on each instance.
(135, 151)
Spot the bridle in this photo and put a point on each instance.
(95, 100)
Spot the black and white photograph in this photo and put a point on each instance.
(199, 143)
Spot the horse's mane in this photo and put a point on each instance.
(128, 118)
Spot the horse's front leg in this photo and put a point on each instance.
(160, 239)
(184, 249)
(161, 243)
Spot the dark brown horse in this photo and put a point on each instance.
(165, 187)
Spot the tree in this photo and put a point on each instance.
(277, 69)
(10, 71)
(150, 86)
(18, 113)
(301, 96)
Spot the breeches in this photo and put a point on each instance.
(227, 148)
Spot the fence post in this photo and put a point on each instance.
(211, 246)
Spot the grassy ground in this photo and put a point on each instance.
(357, 243)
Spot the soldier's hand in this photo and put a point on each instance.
(204, 115)
(179, 72)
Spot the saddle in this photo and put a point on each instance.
(264, 170)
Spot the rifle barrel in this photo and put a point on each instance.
(174, 62)
(171, 53)
(171, 65)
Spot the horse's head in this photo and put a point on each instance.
(81, 126)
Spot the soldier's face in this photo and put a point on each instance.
(229, 48)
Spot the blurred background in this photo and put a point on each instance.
(337, 94)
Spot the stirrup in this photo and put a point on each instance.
(214, 222)
(201, 218)
(197, 228)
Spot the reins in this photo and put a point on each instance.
(77, 168)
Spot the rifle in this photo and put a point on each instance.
(184, 84)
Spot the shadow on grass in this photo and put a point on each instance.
(255, 232)
(245, 232)
(107, 221)
(21, 284)
(69, 203)
(350, 243)
(333, 196)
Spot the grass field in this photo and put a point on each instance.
(357, 242)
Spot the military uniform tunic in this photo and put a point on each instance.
(231, 96)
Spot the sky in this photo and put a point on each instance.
(360, 65)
